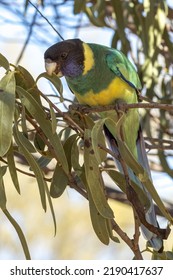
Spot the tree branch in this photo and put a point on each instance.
(127, 240)
(121, 107)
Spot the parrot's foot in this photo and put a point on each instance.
(120, 108)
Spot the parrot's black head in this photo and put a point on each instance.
(65, 58)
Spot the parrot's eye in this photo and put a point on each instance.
(64, 55)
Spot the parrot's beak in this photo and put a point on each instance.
(52, 67)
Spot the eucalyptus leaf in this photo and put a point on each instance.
(55, 81)
(98, 140)
(54, 121)
(3, 199)
(75, 157)
(7, 108)
(4, 62)
(26, 76)
(35, 92)
(59, 182)
(33, 164)
(19, 233)
(39, 143)
(25, 80)
(38, 113)
(109, 227)
(28, 145)
(93, 177)
(51, 208)
(12, 168)
(89, 123)
(68, 148)
(24, 122)
(98, 222)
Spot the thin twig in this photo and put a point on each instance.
(24, 172)
(64, 115)
(46, 20)
(126, 239)
(28, 37)
(136, 235)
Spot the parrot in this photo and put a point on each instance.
(99, 76)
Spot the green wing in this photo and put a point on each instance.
(123, 68)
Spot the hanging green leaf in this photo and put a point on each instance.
(38, 113)
(68, 147)
(28, 145)
(89, 122)
(19, 233)
(12, 168)
(55, 81)
(3, 199)
(53, 118)
(59, 182)
(98, 222)
(19, 138)
(51, 208)
(35, 92)
(98, 141)
(111, 235)
(28, 80)
(4, 62)
(39, 143)
(25, 80)
(7, 107)
(24, 122)
(93, 178)
(41, 147)
(75, 157)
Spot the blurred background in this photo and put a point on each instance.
(25, 36)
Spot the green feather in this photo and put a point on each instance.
(109, 63)
(123, 68)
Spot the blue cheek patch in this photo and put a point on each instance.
(72, 70)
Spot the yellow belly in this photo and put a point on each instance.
(118, 89)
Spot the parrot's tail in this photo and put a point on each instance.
(155, 242)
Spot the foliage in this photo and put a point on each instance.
(74, 140)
